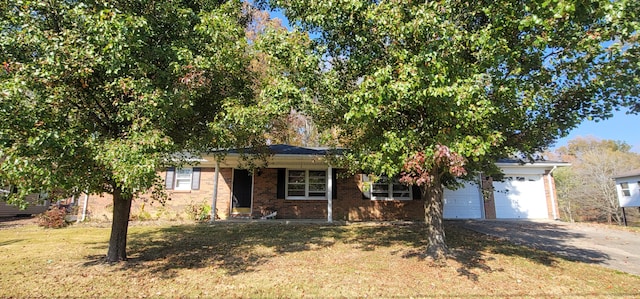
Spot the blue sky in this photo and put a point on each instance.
(620, 127)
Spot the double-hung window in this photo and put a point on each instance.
(385, 188)
(183, 178)
(625, 189)
(306, 184)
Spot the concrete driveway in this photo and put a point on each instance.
(595, 244)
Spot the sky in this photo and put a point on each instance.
(620, 127)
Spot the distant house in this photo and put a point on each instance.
(628, 188)
(37, 205)
(301, 183)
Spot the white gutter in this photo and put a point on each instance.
(552, 194)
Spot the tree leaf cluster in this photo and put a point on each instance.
(487, 79)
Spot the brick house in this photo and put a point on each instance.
(300, 183)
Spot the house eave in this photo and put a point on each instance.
(275, 161)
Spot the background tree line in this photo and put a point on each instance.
(586, 190)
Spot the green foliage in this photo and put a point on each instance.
(100, 96)
(487, 79)
(53, 218)
(198, 211)
(483, 79)
(109, 90)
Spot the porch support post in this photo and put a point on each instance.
(329, 194)
(214, 198)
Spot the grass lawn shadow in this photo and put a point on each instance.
(234, 247)
(245, 247)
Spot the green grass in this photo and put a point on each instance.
(288, 260)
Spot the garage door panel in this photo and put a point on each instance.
(463, 203)
(520, 196)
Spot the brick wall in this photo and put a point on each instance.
(265, 200)
(550, 189)
(350, 205)
(100, 207)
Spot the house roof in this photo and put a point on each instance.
(628, 174)
(536, 162)
(285, 149)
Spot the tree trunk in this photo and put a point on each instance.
(433, 214)
(119, 227)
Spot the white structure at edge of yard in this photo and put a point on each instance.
(628, 188)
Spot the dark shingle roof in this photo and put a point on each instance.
(284, 149)
(628, 174)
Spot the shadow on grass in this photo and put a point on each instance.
(9, 242)
(245, 247)
(234, 247)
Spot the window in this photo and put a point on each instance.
(183, 179)
(625, 189)
(389, 189)
(306, 184)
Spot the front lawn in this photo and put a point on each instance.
(269, 259)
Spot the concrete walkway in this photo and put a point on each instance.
(596, 244)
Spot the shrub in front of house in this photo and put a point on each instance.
(198, 211)
(53, 218)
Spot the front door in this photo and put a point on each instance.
(242, 188)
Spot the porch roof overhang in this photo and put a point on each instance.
(289, 156)
(275, 156)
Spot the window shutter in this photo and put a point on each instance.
(334, 190)
(195, 179)
(417, 194)
(366, 190)
(169, 178)
(282, 173)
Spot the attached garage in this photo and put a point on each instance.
(521, 196)
(463, 203)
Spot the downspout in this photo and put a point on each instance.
(84, 206)
(214, 198)
(552, 194)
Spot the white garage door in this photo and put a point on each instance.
(463, 203)
(520, 196)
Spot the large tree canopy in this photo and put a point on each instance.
(441, 89)
(99, 96)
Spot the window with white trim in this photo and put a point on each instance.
(389, 189)
(183, 179)
(625, 189)
(306, 184)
